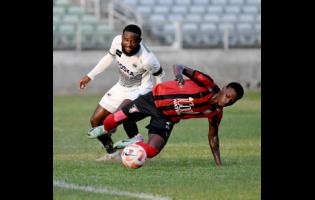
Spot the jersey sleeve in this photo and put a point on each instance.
(152, 65)
(203, 80)
(116, 41)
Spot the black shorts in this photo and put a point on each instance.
(143, 107)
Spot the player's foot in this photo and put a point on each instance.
(110, 156)
(96, 131)
(125, 142)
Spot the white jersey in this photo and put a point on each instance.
(137, 69)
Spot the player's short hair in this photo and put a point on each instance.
(133, 28)
(238, 89)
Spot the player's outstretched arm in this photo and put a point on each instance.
(213, 139)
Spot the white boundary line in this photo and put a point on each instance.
(103, 190)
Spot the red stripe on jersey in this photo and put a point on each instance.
(168, 102)
(188, 101)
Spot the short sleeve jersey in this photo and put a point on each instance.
(137, 69)
(192, 100)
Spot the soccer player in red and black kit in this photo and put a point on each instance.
(169, 102)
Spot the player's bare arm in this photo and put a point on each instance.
(180, 70)
(84, 81)
(213, 139)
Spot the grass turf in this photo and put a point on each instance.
(184, 169)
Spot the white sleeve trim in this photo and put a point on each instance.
(103, 64)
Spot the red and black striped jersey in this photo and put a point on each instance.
(192, 100)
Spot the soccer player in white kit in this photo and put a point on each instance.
(137, 66)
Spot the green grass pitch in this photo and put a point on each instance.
(185, 168)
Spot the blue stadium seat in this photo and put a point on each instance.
(201, 2)
(236, 2)
(179, 9)
(228, 18)
(66, 36)
(197, 9)
(146, 2)
(64, 3)
(244, 27)
(250, 9)
(257, 27)
(215, 9)
(232, 9)
(169, 33)
(189, 35)
(165, 2)
(59, 10)
(71, 19)
(208, 27)
(255, 2)
(56, 19)
(219, 2)
(175, 17)
(144, 10)
(246, 18)
(157, 18)
(210, 37)
(130, 2)
(161, 9)
(89, 19)
(211, 18)
(223, 26)
(182, 2)
(193, 18)
(75, 10)
(258, 18)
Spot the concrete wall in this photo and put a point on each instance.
(242, 65)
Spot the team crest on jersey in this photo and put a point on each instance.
(133, 109)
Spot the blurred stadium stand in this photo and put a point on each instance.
(91, 24)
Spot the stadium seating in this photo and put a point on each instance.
(203, 22)
(71, 21)
(210, 18)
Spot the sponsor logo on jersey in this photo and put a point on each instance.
(184, 106)
(124, 69)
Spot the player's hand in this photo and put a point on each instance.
(180, 80)
(84, 81)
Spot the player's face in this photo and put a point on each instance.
(130, 42)
(227, 97)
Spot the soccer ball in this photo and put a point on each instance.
(133, 156)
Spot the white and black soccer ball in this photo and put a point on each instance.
(133, 156)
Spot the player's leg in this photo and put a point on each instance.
(97, 119)
(130, 126)
(154, 145)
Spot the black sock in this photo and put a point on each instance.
(107, 142)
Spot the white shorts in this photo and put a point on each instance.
(117, 94)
